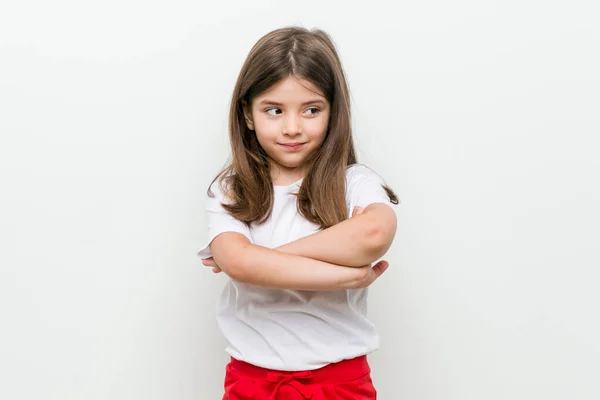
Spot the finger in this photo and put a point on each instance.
(375, 273)
(209, 262)
(380, 268)
(357, 210)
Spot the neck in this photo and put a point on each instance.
(286, 176)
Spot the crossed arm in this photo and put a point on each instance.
(338, 257)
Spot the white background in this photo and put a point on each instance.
(483, 116)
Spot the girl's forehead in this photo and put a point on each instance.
(292, 90)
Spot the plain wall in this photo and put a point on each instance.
(483, 116)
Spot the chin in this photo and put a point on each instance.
(290, 166)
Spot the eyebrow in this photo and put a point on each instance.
(274, 103)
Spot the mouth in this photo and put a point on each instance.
(292, 146)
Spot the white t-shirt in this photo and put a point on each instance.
(293, 330)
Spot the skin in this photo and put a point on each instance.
(382, 266)
(295, 111)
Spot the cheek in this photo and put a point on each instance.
(265, 139)
(316, 129)
(266, 131)
(267, 142)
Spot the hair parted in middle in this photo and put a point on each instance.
(246, 181)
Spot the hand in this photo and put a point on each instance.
(210, 262)
(357, 211)
(368, 274)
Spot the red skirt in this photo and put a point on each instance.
(348, 379)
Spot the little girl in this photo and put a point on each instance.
(296, 223)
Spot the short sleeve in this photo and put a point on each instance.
(219, 220)
(364, 187)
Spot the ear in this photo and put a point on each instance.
(248, 115)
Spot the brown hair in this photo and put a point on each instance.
(321, 199)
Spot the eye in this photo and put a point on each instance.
(268, 111)
(315, 110)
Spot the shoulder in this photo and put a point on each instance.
(364, 186)
(357, 173)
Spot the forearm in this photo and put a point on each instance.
(355, 242)
(274, 269)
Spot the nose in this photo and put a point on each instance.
(292, 125)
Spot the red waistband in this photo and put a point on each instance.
(343, 371)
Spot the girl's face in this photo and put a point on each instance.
(290, 120)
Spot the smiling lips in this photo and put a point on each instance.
(292, 146)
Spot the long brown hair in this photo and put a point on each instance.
(246, 181)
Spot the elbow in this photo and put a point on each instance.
(379, 234)
(235, 272)
(236, 269)
(232, 252)
(378, 242)
(382, 244)
(236, 265)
